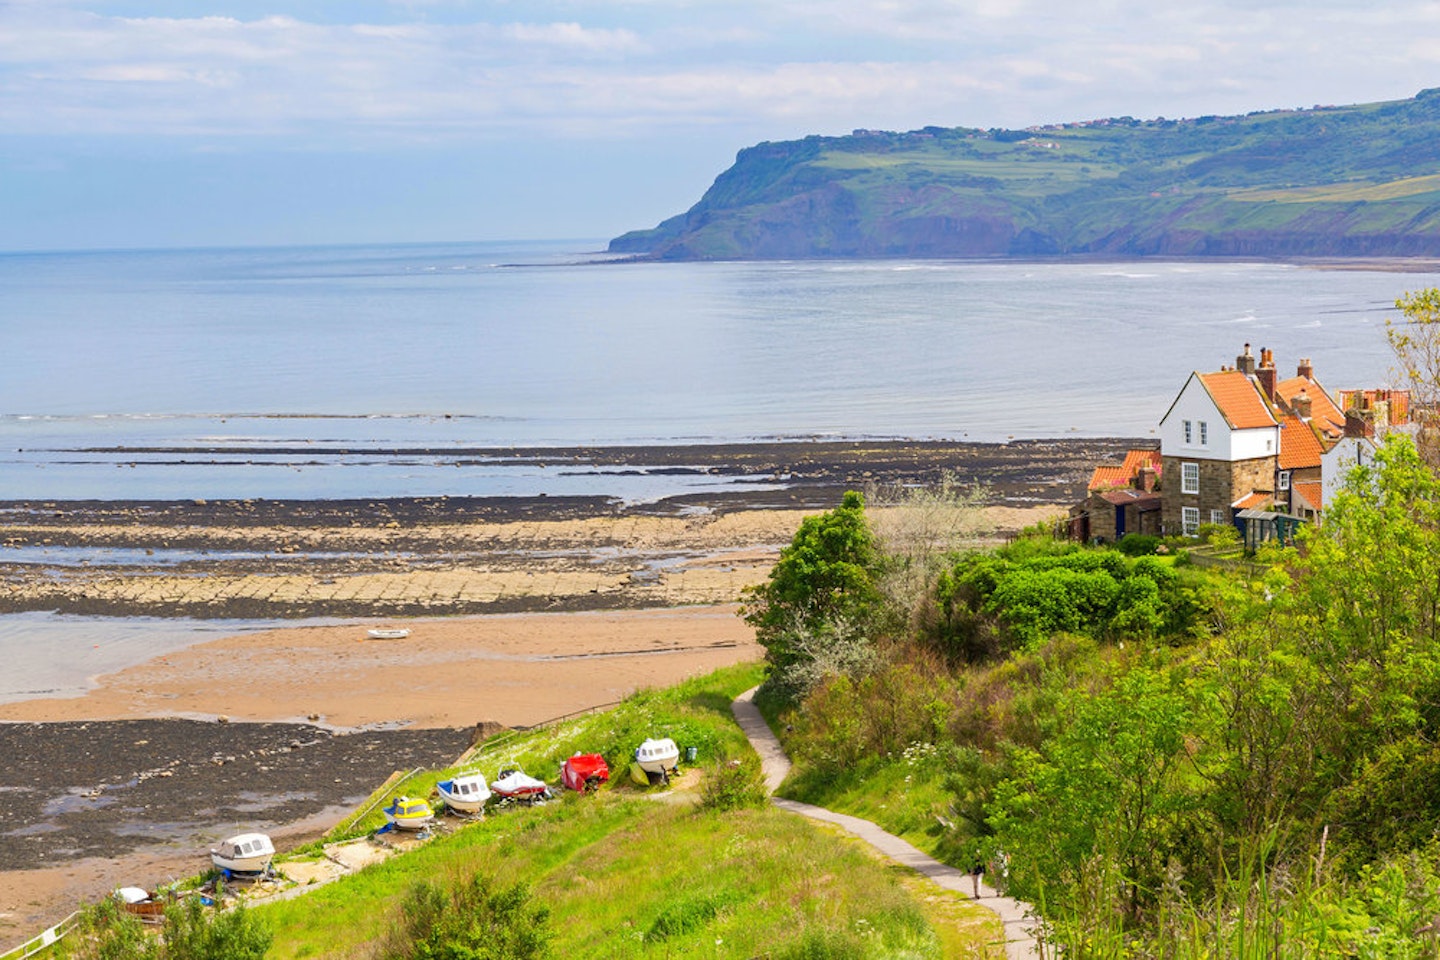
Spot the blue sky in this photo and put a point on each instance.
(144, 124)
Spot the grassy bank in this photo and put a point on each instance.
(633, 872)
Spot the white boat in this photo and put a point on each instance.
(387, 633)
(466, 793)
(516, 785)
(246, 853)
(408, 813)
(658, 756)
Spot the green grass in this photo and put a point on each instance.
(628, 875)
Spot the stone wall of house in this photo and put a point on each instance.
(1102, 518)
(1221, 484)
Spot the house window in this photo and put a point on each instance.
(1283, 483)
(1188, 433)
(1204, 433)
(1190, 478)
(1189, 520)
(1217, 517)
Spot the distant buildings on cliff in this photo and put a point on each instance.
(1241, 446)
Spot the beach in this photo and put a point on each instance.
(520, 610)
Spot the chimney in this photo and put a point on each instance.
(1302, 403)
(1245, 363)
(1265, 375)
(1357, 424)
(1305, 369)
(1145, 479)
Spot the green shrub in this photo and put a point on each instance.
(1137, 544)
(734, 785)
(471, 919)
(193, 933)
(824, 944)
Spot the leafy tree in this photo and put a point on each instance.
(1416, 343)
(823, 584)
(471, 919)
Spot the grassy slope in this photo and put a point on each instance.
(752, 882)
(1332, 180)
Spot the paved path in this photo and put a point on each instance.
(1020, 942)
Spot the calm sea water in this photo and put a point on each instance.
(373, 371)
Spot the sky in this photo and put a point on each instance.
(159, 123)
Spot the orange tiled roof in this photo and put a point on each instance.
(1312, 491)
(1107, 476)
(1239, 402)
(1299, 446)
(1321, 406)
(1253, 501)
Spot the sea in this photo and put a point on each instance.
(403, 370)
(407, 370)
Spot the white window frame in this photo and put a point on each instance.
(1188, 433)
(1217, 517)
(1282, 482)
(1204, 434)
(1189, 478)
(1189, 520)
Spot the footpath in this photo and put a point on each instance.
(1016, 916)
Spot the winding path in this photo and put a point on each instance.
(1020, 941)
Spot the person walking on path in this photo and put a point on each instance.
(1017, 917)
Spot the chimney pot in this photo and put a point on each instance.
(1305, 369)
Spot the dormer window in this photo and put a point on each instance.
(1283, 483)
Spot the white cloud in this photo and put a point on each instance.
(613, 68)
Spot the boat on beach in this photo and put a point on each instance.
(465, 793)
(387, 633)
(409, 813)
(244, 853)
(516, 786)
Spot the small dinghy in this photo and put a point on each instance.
(515, 787)
(246, 853)
(387, 633)
(140, 903)
(466, 793)
(659, 758)
(408, 813)
(584, 771)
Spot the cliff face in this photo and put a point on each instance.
(1332, 181)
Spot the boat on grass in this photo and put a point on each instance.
(658, 758)
(515, 786)
(465, 793)
(584, 771)
(141, 903)
(409, 813)
(245, 853)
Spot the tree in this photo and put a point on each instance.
(823, 586)
(1416, 342)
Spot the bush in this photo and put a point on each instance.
(1138, 544)
(734, 785)
(472, 919)
(191, 933)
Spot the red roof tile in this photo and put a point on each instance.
(1321, 406)
(1253, 501)
(1312, 491)
(1299, 446)
(1107, 476)
(1238, 399)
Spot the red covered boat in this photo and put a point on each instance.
(584, 771)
